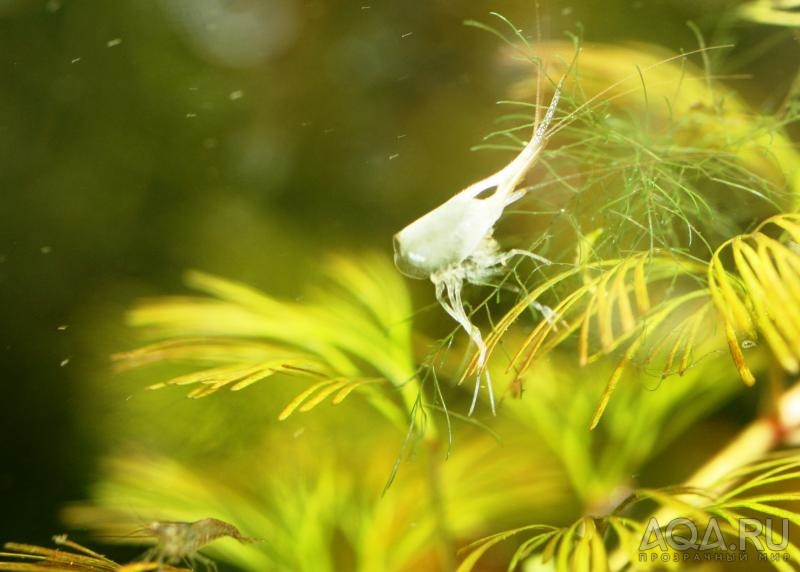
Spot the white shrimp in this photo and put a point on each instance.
(453, 243)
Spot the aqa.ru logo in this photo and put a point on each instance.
(682, 534)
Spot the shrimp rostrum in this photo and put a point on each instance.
(454, 243)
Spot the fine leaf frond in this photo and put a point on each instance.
(660, 164)
(656, 311)
(338, 387)
(237, 376)
(579, 546)
(620, 305)
(760, 294)
(478, 548)
(69, 557)
(353, 329)
(604, 542)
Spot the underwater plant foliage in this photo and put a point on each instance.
(647, 369)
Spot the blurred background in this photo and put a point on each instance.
(248, 138)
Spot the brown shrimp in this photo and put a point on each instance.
(181, 541)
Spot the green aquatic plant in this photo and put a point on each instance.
(352, 335)
(583, 545)
(666, 207)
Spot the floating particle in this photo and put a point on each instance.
(62, 327)
(407, 34)
(191, 115)
(64, 362)
(46, 249)
(75, 60)
(114, 42)
(234, 95)
(394, 156)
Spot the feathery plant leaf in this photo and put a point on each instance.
(763, 295)
(339, 388)
(71, 557)
(356, 324)
(638, 303)
(595, 543)
(659, 311)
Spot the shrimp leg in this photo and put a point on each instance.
(454, 306)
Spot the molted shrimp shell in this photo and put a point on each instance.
(453, 243)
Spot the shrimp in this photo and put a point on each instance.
(181, 541)
(454, 242)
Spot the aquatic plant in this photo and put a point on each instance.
(666, 207)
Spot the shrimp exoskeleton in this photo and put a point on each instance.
(453, 243)
(181, 541)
